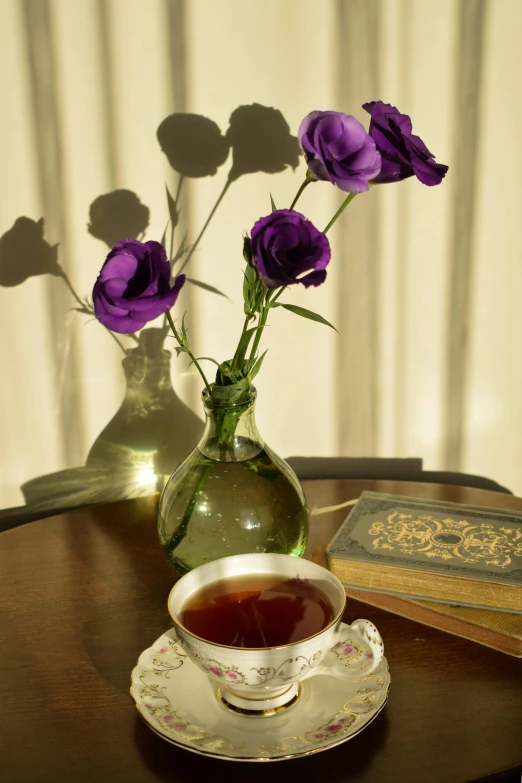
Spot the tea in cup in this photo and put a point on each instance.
(260, 624)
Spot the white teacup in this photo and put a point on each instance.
(263, 681)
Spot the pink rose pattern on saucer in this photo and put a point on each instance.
(154, 695)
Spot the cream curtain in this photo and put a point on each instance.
(425, 285)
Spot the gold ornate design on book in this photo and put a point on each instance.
(420, 534)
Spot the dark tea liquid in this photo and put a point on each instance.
(257, 611)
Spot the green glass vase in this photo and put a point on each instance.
(232, 495)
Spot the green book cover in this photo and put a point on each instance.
(431, 536)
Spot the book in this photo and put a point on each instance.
(426, 549)
(500, 630)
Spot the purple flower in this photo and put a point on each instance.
(337, 148)
(133, 286)
(403, 154)
(287, 248)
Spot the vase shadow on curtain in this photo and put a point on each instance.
(148, 437)
(153, 430)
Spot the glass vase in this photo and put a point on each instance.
(232, 495)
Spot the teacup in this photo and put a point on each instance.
(266, 680)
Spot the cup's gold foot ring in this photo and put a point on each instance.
(266, 713)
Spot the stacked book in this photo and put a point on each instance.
(451, 566)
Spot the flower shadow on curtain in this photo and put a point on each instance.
(258, 136)
(118, 215)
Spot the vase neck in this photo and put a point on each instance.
(231, 433)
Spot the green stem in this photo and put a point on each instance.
(212, 212)
(298, 194)
(257, 338)
(276, 297)
(193, 358)
(235, 357)
(180, 533)
(264, 315)
(339, 212)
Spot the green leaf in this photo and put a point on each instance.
(249, 286)
(256, 303)
(207, 287)
(173, 210)
(225, 372)
(257, 366)
(306, 314)
(274, 208)
(236, 392)
(239, 356)
(180, 349)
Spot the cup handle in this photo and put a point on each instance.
(344, 658)
(373, 639)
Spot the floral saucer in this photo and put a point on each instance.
(181, 704)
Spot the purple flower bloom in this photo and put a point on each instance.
(287, 248)
(403, 154)
(133, 286)
(337, 148)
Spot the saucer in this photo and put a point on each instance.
(181, 704)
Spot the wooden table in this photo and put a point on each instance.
(82, 594)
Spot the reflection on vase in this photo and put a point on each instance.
(142, 444)
(232, 495)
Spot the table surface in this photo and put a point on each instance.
(83, 593)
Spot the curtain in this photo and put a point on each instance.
(424, 285)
